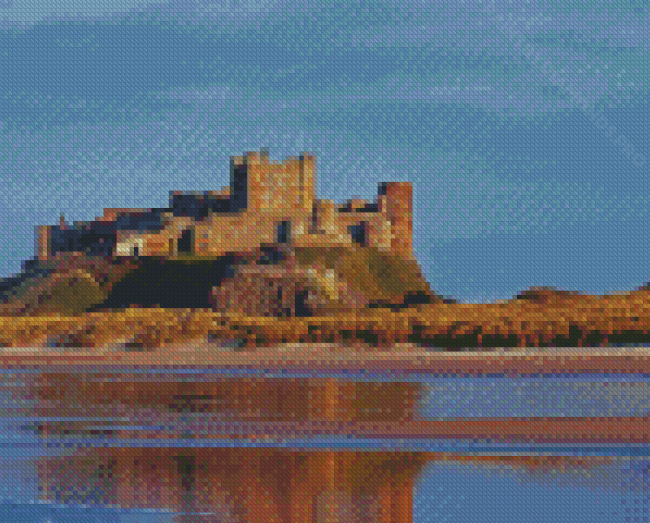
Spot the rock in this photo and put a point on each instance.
(269, 283)
(543, 295)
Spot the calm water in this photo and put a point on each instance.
(610, 485)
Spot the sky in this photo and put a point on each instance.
(521, 124)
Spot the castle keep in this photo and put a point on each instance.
(266, 203)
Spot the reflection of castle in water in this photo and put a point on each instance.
(240, 484)
(262, 485)
(251, 484)
(236, 484)
(243, 484)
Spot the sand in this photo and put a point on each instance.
(403, 358)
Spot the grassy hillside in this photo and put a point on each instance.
(77, 284)
(578, 321)
(69, 284)
(383, 278)
(56, 307)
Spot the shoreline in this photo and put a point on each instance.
(98, 375)
(408, 358)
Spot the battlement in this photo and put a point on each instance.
(260, 185)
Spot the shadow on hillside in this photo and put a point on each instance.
(159, 282)
(13, 286)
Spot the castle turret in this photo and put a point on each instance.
(395, 200)
(244, 185)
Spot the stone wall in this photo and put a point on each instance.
(262, 195)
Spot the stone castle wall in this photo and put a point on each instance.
(262, 195)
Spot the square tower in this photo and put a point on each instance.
(285, 188)
(395, 201)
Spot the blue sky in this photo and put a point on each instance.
(522, 125)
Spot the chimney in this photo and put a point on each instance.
(395, 201)
(63, 226)
(44, 242)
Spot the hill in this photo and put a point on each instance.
(221, 264)
(271, 280)
(353, 296)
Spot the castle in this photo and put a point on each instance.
(266, 203)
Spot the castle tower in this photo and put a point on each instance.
(250, 181)
(395, 200)
(259, 185)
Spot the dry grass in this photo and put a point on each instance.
(53, 311)
(562, 320)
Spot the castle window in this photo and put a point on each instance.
(186, 242)
(283, 234)
(270, 256)
(358, 233)
(302, 307)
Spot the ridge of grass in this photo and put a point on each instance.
(539, 317)
(601, 321)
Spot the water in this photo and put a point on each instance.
(84, 470)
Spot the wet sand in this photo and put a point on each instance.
(403, 358)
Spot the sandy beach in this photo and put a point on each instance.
(402, 358)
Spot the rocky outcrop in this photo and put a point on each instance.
(280, 281)
(545, 295)
(270, 283)
(268, 293)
